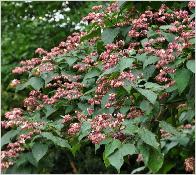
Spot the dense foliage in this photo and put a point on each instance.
(124, 85)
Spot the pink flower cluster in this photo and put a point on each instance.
(161, 77)
(16, 118)
(26, 66)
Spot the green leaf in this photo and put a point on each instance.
(150, 95)
(104, 100)
(155, 160)
(91, 35)
(109, 71)
(191, 65)
(148, 137)
(49, 110)
(56, 140)
(144, 150)
(36, 82)
(125, 63)
(153, 86)
(117, 160)
(48, 76)
(130, 129)
(143, 42)
(182, 77)
(6, 138)
(20, 87)
(165, 27)
(71, 61)
(108, 35)
(150, 60)
(92, 73)
(85, 130)
(127, 149)
(39, 150)
(168, 36)
(141, 57)
(111, 147)
(167, 127)
(148, 71)
(146, 106)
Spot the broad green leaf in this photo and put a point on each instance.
(182, 77)
(150, 95)
(116, 160)
(167, 127)
(49, 110)
(109, 71)
(6, 138)
(143, 42)
(146, 106)
(148, 71)
(125, 63)
(85, 130)
(71, 61)
(56, 140)
(165, 27)
(153, 86)
(191, 65)
(20, 87)
(104, 100)
(148, 137)
(151, 33)
(150, 60)
(39, 150)
(130, 129)
(92, 73)
(48, 76)
(127, 149)
(155, 161)
(111, 147)
(168, 36)
(36, 82)
(141, 57)
(108, 35)
(144, 150)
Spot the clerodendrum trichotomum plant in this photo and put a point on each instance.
(125, 85)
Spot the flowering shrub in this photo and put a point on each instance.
(126, 84)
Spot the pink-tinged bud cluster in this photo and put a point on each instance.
(67, 118)
(140, 158)
(81, 67)
(189, 164)
(134, 112)
(162, 76)
(74, 128)
(94, 17)
(96, 137)
(14, 149)
(114, 7)
(164, 134)
(26, 66)
(88, 59)
(46, 67)
(126, 75)
(41, 51)
(191, 4)
(14, 83)
(16, 113)
(80, 116)
(96, 8)
(16, 118)
(90, 111)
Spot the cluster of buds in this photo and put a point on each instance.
(26, 66)
(189, 164)
(74, 128)
(134, 112)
